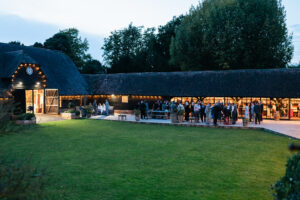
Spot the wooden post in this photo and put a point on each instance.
(32, 92)
(44, 99)
(289, 108)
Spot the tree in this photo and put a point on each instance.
(159, 46)
(135, 49)
(38, 45)
(122, 48)
(232, 34)
(93, 67)
(69, 42)
(16, 43)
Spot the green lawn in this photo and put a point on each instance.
(94, 159)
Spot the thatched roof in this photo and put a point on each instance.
(59, 69)
(231, 83)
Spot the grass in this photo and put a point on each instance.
(92, 159)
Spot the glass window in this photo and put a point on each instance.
(295, 109)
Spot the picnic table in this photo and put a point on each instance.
(159, 114)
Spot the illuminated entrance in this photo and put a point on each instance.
(35, 101)
(42, 101)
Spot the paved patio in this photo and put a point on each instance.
(288, 128)
(42, 118)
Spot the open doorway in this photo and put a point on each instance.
(35, 101)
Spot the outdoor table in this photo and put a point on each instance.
(122, 117)
(159, 114)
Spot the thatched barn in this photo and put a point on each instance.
(48, 80)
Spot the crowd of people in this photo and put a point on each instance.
(228, 113)
(200, 112)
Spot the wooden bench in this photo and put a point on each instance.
(122, 117)
(159, 114)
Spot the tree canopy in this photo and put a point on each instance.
(135, 49)
(215, 35)
(232, 34)
(69, 42)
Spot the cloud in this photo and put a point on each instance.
(98, 17)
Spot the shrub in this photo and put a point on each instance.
(137, 112)
(89, 109)
(25, 116)
(19, 180)
(288, 187)
(70, 111)
(7, 108)
(77, 112)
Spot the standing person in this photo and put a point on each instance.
(187, 111)
(250, 112)
(99, 109)
(196, 111)
(180, 107)
(217, 111)
(257, 113)
(261, 107)
(234, 114)
(143, 109)
(193, 109)
(246, 116)
(95, 107)
(207, 113)
(226, 114)
(163, 106)
(107, 107)
(202, 112)
(147, 108)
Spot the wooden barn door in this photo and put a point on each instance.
(52, 101)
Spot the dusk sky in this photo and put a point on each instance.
(32, 21)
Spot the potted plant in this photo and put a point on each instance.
(77, 114)
(89, 111)
(245, 122)
(180, 114)
(137, 114)
(173, 113)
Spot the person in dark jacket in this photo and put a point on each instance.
(257, 113)
(234, 114)
(250, 112)
(261, 108)
(143, 110)
(187, 111)
(217, 111)
(202, 112)
(95, 107)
